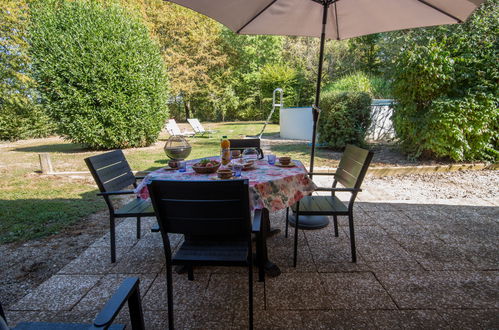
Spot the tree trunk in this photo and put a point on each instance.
(187, 107)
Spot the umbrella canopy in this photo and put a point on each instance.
(330, 19)
(346, 18)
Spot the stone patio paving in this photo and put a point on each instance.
(422, 263)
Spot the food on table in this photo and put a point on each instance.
(206, 166)
(224, 174)
(285, 160)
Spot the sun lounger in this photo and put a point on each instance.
(173, 129)
(198, 127)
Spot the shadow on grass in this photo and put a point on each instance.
(27, 219)
(67, 148)
(303, 149)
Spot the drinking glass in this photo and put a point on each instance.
(237, 167)
(182, 166)
(271, 159)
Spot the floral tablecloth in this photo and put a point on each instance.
(271, 187)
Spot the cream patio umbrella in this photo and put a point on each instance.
(330, 19)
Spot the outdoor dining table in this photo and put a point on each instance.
(271, 188)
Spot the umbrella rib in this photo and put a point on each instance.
(254, 17)
(337, 24)
(440, 10)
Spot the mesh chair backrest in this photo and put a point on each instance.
(353, 166)
(240, 144)
(195, 125)
(199, 125)
(202, 208)
(174, 127)
(111, 171)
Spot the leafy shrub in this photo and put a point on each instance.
(445, 82)
(344, 119)
(376, 87)
(20, 115)
(101, 77)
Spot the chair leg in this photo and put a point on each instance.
(190, 273)
(259, 256)
(169, 293)
(250, 293)
(112, 236)
(138, 227)
(295, 255)
(352, 237)
(335, 222)
(287, 222)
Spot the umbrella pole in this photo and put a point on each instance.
(315, 108)
(315, 221)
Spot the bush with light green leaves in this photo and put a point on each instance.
(100, 75)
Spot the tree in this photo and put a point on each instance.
(20, 114)
(100, 75)
(190, 44)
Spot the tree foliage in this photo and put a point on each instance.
(445, 82)
(20, 114)
(101, 77)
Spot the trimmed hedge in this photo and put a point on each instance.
(344, 119)
(101, 77)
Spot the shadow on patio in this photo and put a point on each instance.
(420, 266)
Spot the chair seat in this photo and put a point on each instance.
(60, 326)
(136, 208)
(212, 253)
(321, 205)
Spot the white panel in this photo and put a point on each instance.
(296, 123)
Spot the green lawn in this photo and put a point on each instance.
(34, 206)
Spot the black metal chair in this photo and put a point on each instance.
(350, 174)
(112, 174)
(215, 218)
(127, 292)
(241, 144)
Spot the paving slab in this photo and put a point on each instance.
(296, 291)
(69, 289)
(359, 290)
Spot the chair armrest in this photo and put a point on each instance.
(110, 193)
(128, 291)
(257, 221)
(338, 189)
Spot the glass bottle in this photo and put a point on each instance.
(225, 150)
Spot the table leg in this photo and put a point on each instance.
(271, 269)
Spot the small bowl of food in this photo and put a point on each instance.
(235, 154)
(206, 166)
(224, 174)
(285, 160)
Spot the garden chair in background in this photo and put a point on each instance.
(173, 129)
(215, 218)
(241, 144)
(113, 175)
(198, 127)
(127, 292)
(350, 174)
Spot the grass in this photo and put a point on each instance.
(34, 206)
